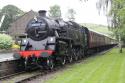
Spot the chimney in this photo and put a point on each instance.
(42, 13)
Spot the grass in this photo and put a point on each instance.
(107, 68)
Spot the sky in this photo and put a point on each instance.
(86, 12)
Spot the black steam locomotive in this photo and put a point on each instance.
(54, 41)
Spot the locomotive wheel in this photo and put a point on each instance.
(70, 59)
(69, 56)
(76, 57)
(48, 64)
(26, 65)
(79, 55)
(82, 54)
(63, 60)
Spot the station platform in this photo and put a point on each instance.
(6, 57)
(8, 64)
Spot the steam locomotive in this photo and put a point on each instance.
(55, 41)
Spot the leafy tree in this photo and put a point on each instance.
(71, 14)
(55, 11)
(0, 13)
(116, 17)
(10, 12)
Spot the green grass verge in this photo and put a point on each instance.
(107, 68)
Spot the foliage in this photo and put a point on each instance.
(116, 15)
(107, 68)
(103, 5)
(71, 14)
(11, 12)
(55, 11)
(0, 13)
(5, 41)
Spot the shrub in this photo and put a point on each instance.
(5, 41)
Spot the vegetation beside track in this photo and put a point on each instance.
(107, 68)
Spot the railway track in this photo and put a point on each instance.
(12, 75)
(40, 74)
(23, 77)
(18, 76)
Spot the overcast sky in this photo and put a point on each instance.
(85, 12)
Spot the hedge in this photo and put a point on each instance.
(5, 41)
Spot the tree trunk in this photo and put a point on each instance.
(120, 44)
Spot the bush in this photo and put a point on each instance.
(5, 41)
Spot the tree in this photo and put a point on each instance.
(116, 17)
(0, 13)
(71, 14)
(55, 11)
(11, 12)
